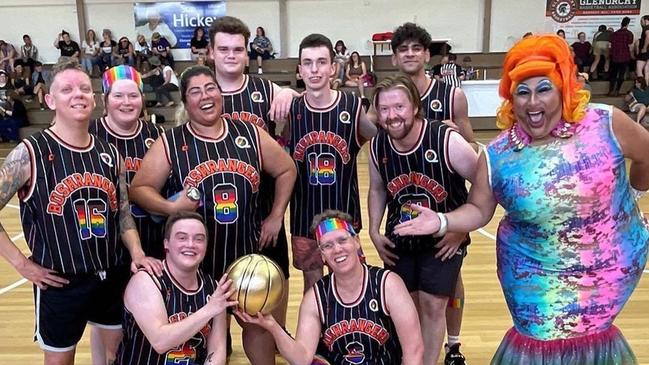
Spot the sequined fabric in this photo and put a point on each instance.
(572, 245)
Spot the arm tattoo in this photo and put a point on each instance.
(209, 357)
(12, 175)
(126, 221)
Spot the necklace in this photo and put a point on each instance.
(519, 138)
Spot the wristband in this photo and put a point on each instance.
(443, 225)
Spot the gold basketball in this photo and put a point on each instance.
(259, 283)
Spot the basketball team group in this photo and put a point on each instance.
(95, 196)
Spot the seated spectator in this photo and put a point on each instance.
(108, 51)
(68, 47)
(638, 99)
(125, 52)
(341, 57)
(162, 49)
(22, 83)
(470, 73)
(199, 44)
(261, 48)
(5, 84)
(201, 60)
(163, 80)
(601, 48)
(7, 56)
(582, 77)
(13, 116)
(142, 52)
(561, 33)
(90, 52)
(355, 72)
(41, 79)
(28, 53)
(582, 49)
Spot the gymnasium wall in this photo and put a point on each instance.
(351, 20)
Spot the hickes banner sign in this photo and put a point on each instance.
(574, 16)
(176, 21)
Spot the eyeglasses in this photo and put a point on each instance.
(329, 245)
(197, 92)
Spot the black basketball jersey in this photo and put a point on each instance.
(135, 349)
(361, 332)
(324, 144)
(421, 176)
(450, 73)
(227, 172)
(132, 148)
(70, 211)
(437, 101)
(251, 103)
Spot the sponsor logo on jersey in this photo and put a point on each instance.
(322, 137)
(256, 97)
(222, 166)
(344, 117)
(436, 105)
(242, 142)
(149, 142)
(63, 190)
(106, 158)
(355, 353)
(374, 305)
(431, 156)
(417, 179)
(360, 325)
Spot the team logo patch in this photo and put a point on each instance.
(149, 142)
(345, 117)
(436, 105)
(355, 353)
(242, 142)
(374, 305)
(563, 11)
(256, 97)
(431, 156)
(105, 158)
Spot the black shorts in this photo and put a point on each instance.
(62, 313)
(421, 271)
(643, 56)
(279, 253)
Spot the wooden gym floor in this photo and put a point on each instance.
(485, 317)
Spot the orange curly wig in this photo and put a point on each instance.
(542, 55)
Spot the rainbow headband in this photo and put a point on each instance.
(332, 224)
(121, 72)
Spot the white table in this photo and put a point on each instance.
(482, 97)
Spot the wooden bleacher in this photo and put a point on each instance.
(282, 71)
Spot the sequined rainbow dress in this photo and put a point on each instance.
(571, 246)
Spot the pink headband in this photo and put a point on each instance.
(332, 224)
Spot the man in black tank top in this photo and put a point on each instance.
(439, 101)
(223, 161)
(250, 99)
(74, 210)
(182, 306)
(357, 314)
(415, 161)
(326, 131)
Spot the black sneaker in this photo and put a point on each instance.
(453, 355)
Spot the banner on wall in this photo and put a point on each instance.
(574, 16)
(176, 21)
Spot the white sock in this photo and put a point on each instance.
(452, 340)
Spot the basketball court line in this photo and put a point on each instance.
(19, 282)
